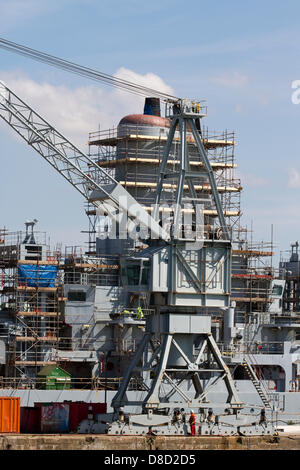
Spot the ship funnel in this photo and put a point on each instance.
(152, 106)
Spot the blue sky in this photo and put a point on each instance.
(241, 56)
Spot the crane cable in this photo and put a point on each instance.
(84, 71)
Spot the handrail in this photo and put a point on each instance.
(94, 383)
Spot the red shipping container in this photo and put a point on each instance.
(10, 414)
(30, 420)
(99, 408)
(80, 410)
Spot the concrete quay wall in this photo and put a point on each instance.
(134, 443)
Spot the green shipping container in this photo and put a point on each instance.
(53, 378)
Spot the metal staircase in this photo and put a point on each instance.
(260, 390)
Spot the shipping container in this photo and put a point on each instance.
(30, 419)
(79, 411)
(10, 414)
(55, 418)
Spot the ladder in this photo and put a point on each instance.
(260, 390)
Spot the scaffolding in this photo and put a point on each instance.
(32, 289)
(78, 268)
(252, 273)
(132, 154)
(30, 296)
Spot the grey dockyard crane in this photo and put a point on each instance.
(111, 199)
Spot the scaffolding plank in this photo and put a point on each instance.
(211, 212)
(33, 339)
(142, 184)
(46, 262)
(90, 265)
(39, 314)
(252, 276)
(35, 363)
(252, 253)
(251, 299)
(113, 141)
(39, 289)
(114, 162)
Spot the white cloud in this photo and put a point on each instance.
(294, 178)
(149, 80)
(233, 80)
(77, 111)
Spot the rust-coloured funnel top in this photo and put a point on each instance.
(144, 119)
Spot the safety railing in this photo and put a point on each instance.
(136, 312)
(275, 347)
(94, 383)
(98, 279)
(14, 239)
(110, 137)
(74, 256)
(129, 345)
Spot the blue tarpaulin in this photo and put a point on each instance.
(33, 275)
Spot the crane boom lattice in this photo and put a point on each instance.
(94, 183)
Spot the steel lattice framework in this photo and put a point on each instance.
(94, 183)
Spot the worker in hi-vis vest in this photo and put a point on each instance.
(140, 314)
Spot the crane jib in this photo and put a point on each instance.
(75, 166)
